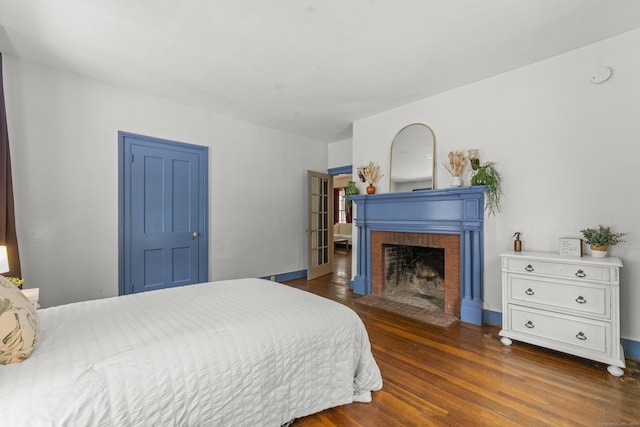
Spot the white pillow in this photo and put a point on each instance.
(19, 324)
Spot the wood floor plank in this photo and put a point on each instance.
(464, 376)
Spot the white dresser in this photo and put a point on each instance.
(569, 304)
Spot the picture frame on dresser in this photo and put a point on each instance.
(564, 303)
(571, 246)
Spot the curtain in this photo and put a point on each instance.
(336, 205)
(8, 236)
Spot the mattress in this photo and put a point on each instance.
(243, 352)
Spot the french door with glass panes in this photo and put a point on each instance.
(320, 228)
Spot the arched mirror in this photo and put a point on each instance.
(412, 159)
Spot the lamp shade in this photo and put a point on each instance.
(4, 260)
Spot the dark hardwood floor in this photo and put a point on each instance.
(464, 376)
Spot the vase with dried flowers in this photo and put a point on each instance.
(371, 174)
(457, 165)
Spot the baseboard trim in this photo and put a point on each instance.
(287, 276)
(631, 348)
(491, 318)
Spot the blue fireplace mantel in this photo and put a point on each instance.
(448, 211)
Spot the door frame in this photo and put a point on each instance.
(340, 170)
(325, 268)
(123, 160)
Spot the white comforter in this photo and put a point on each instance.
(231, 353)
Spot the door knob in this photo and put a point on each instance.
(194, 234)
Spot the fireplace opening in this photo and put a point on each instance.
(436, 260)
(414, 275)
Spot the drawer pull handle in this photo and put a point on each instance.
(529, 325)
(580, 273)
(529, 267)
(581, 300)
(581, 336)
(530, 292)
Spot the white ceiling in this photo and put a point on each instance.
(309, 67)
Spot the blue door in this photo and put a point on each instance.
(163, 224)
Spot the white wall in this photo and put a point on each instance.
(63, 136)
(567, 150)
(340, 153)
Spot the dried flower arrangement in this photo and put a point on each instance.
(370, 173)
(457, 163)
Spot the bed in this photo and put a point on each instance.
(243, 352)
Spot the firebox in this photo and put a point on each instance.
(414, 275)
(415, 266)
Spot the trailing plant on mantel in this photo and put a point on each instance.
(487, 174)
(350, 190)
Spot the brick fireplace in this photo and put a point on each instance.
(451, 219)
(384, 248)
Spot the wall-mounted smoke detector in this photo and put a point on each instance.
(602, 75)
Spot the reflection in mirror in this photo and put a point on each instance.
(412, 155)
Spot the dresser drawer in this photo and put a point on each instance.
(564, 332)
(559, 269)
(563, 296)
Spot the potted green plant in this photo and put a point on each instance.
(350, 190)
(600, 239)
(487, 174)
